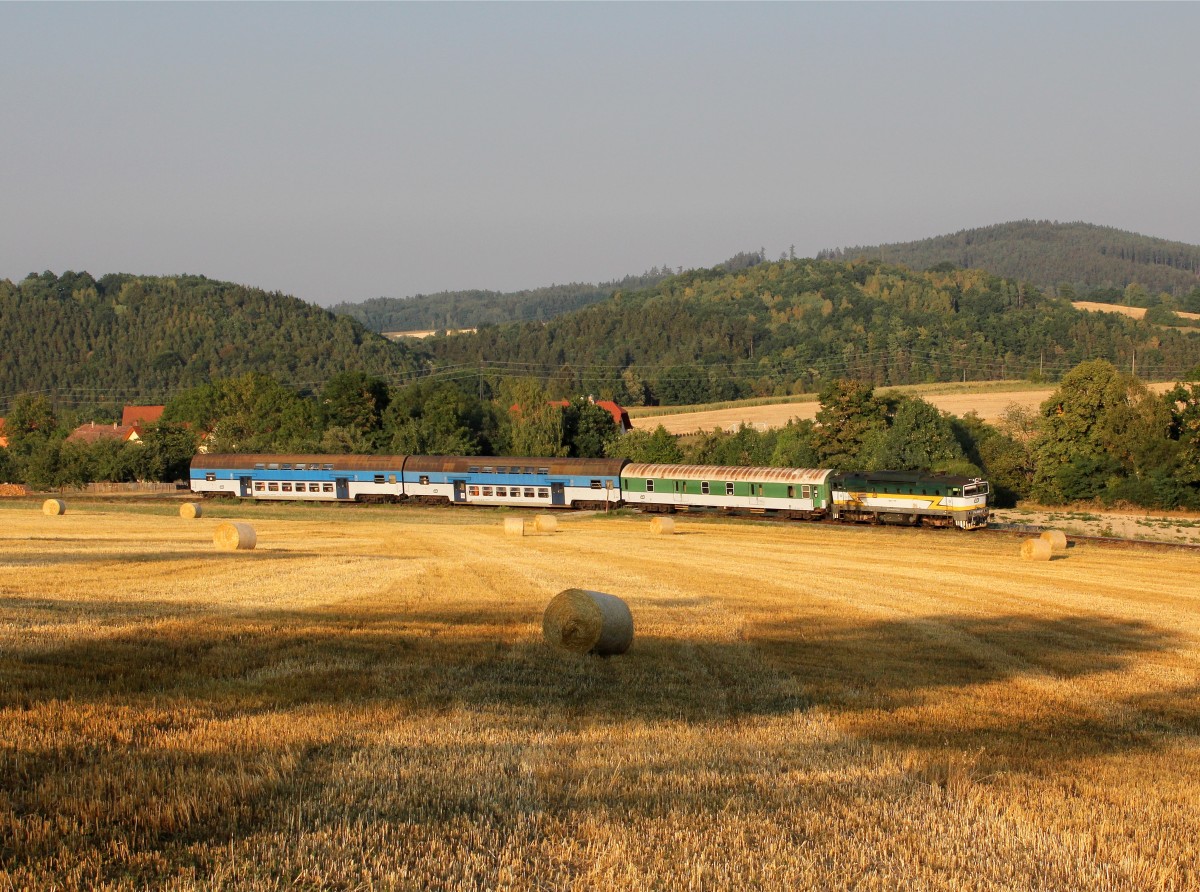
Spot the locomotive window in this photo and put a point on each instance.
(728, 489)
(424, 480)
(210, 476)
(543, 493)
(259, 486)
(529, 493)
(704, 488)
(597, 485)
(379, 478)
(649, 486)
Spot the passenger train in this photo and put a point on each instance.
(802, 493)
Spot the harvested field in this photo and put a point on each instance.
(989, 404)
(365, 701)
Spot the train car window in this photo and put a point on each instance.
(529, 493)
(728, 489)
(379, 478)
(327, 467)
(424, 480)
(272, 487)
(649, 486)
(543, 470)
(488, 469)
(287, 487)
(473, 490)
(543, 493)
(272, 466)
(259, 486)
(791, 492)
(501, 469)
(527, 470)
(474, 469)
(704, 488)
(287, 467)
(260, 467)
(596, 484)
(210, 476)
(502, 491)
(326, 487)
(300, 466)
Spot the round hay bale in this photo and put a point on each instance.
(545, 523)
(1057, 540)
(514, 526)
(1036, 550)
(662, 526)
(231, 536)
(588, 622)
(190, 510)
(54, 507)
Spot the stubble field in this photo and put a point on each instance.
(365, 702)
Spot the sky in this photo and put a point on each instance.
(343, 152)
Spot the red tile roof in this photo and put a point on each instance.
(3, 438)
(92, 432)
(141, 414)
(619, 415)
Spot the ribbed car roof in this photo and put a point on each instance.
(710, 472)
(340, 462)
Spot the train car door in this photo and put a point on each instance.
(558, 494)
(342, 487)
(247, 487)
(460, 490)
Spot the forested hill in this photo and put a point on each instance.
(785, 327)
(126, 338)
(1081, 255)
(468, 309)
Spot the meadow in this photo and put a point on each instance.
(365, 702)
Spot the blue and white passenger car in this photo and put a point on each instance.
(325, 478)
(534, 482)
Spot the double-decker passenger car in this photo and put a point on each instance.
(308, 477)
(535, 482)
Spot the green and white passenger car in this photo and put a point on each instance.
(791, 492)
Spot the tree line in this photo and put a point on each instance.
(1102, 436)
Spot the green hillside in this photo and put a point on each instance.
(1081, 255)
(126, 338)
(785, 327)
(468, 309)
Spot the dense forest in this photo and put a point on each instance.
(451, 310)
(1080, 255)
(790, 326)
(124, 338)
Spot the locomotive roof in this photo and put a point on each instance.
(462, 464)
(908, 477)
(715, 472)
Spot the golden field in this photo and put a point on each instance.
(365, 702)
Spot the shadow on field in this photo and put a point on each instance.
(205, 552)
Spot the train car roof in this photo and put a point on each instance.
(249, 460)
(716, 472)
(463, 464)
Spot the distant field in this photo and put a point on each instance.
(1133, 312)
(988, 402)
(365, 702)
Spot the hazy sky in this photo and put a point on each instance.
(342, 152)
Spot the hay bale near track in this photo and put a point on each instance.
(662, 526)
(545, 523)
(1057, 540)
(1036, 550)
(587, 622)
(231, 536)
(54, 507)
(190, 510)
(514, 526)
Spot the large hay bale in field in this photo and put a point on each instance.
(190, 510)
(54, 507)
(545, 523)
(662, 526)
(514, 526)
(231, 536)
(1057, 540)
(588, 622)
(1036, 550)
